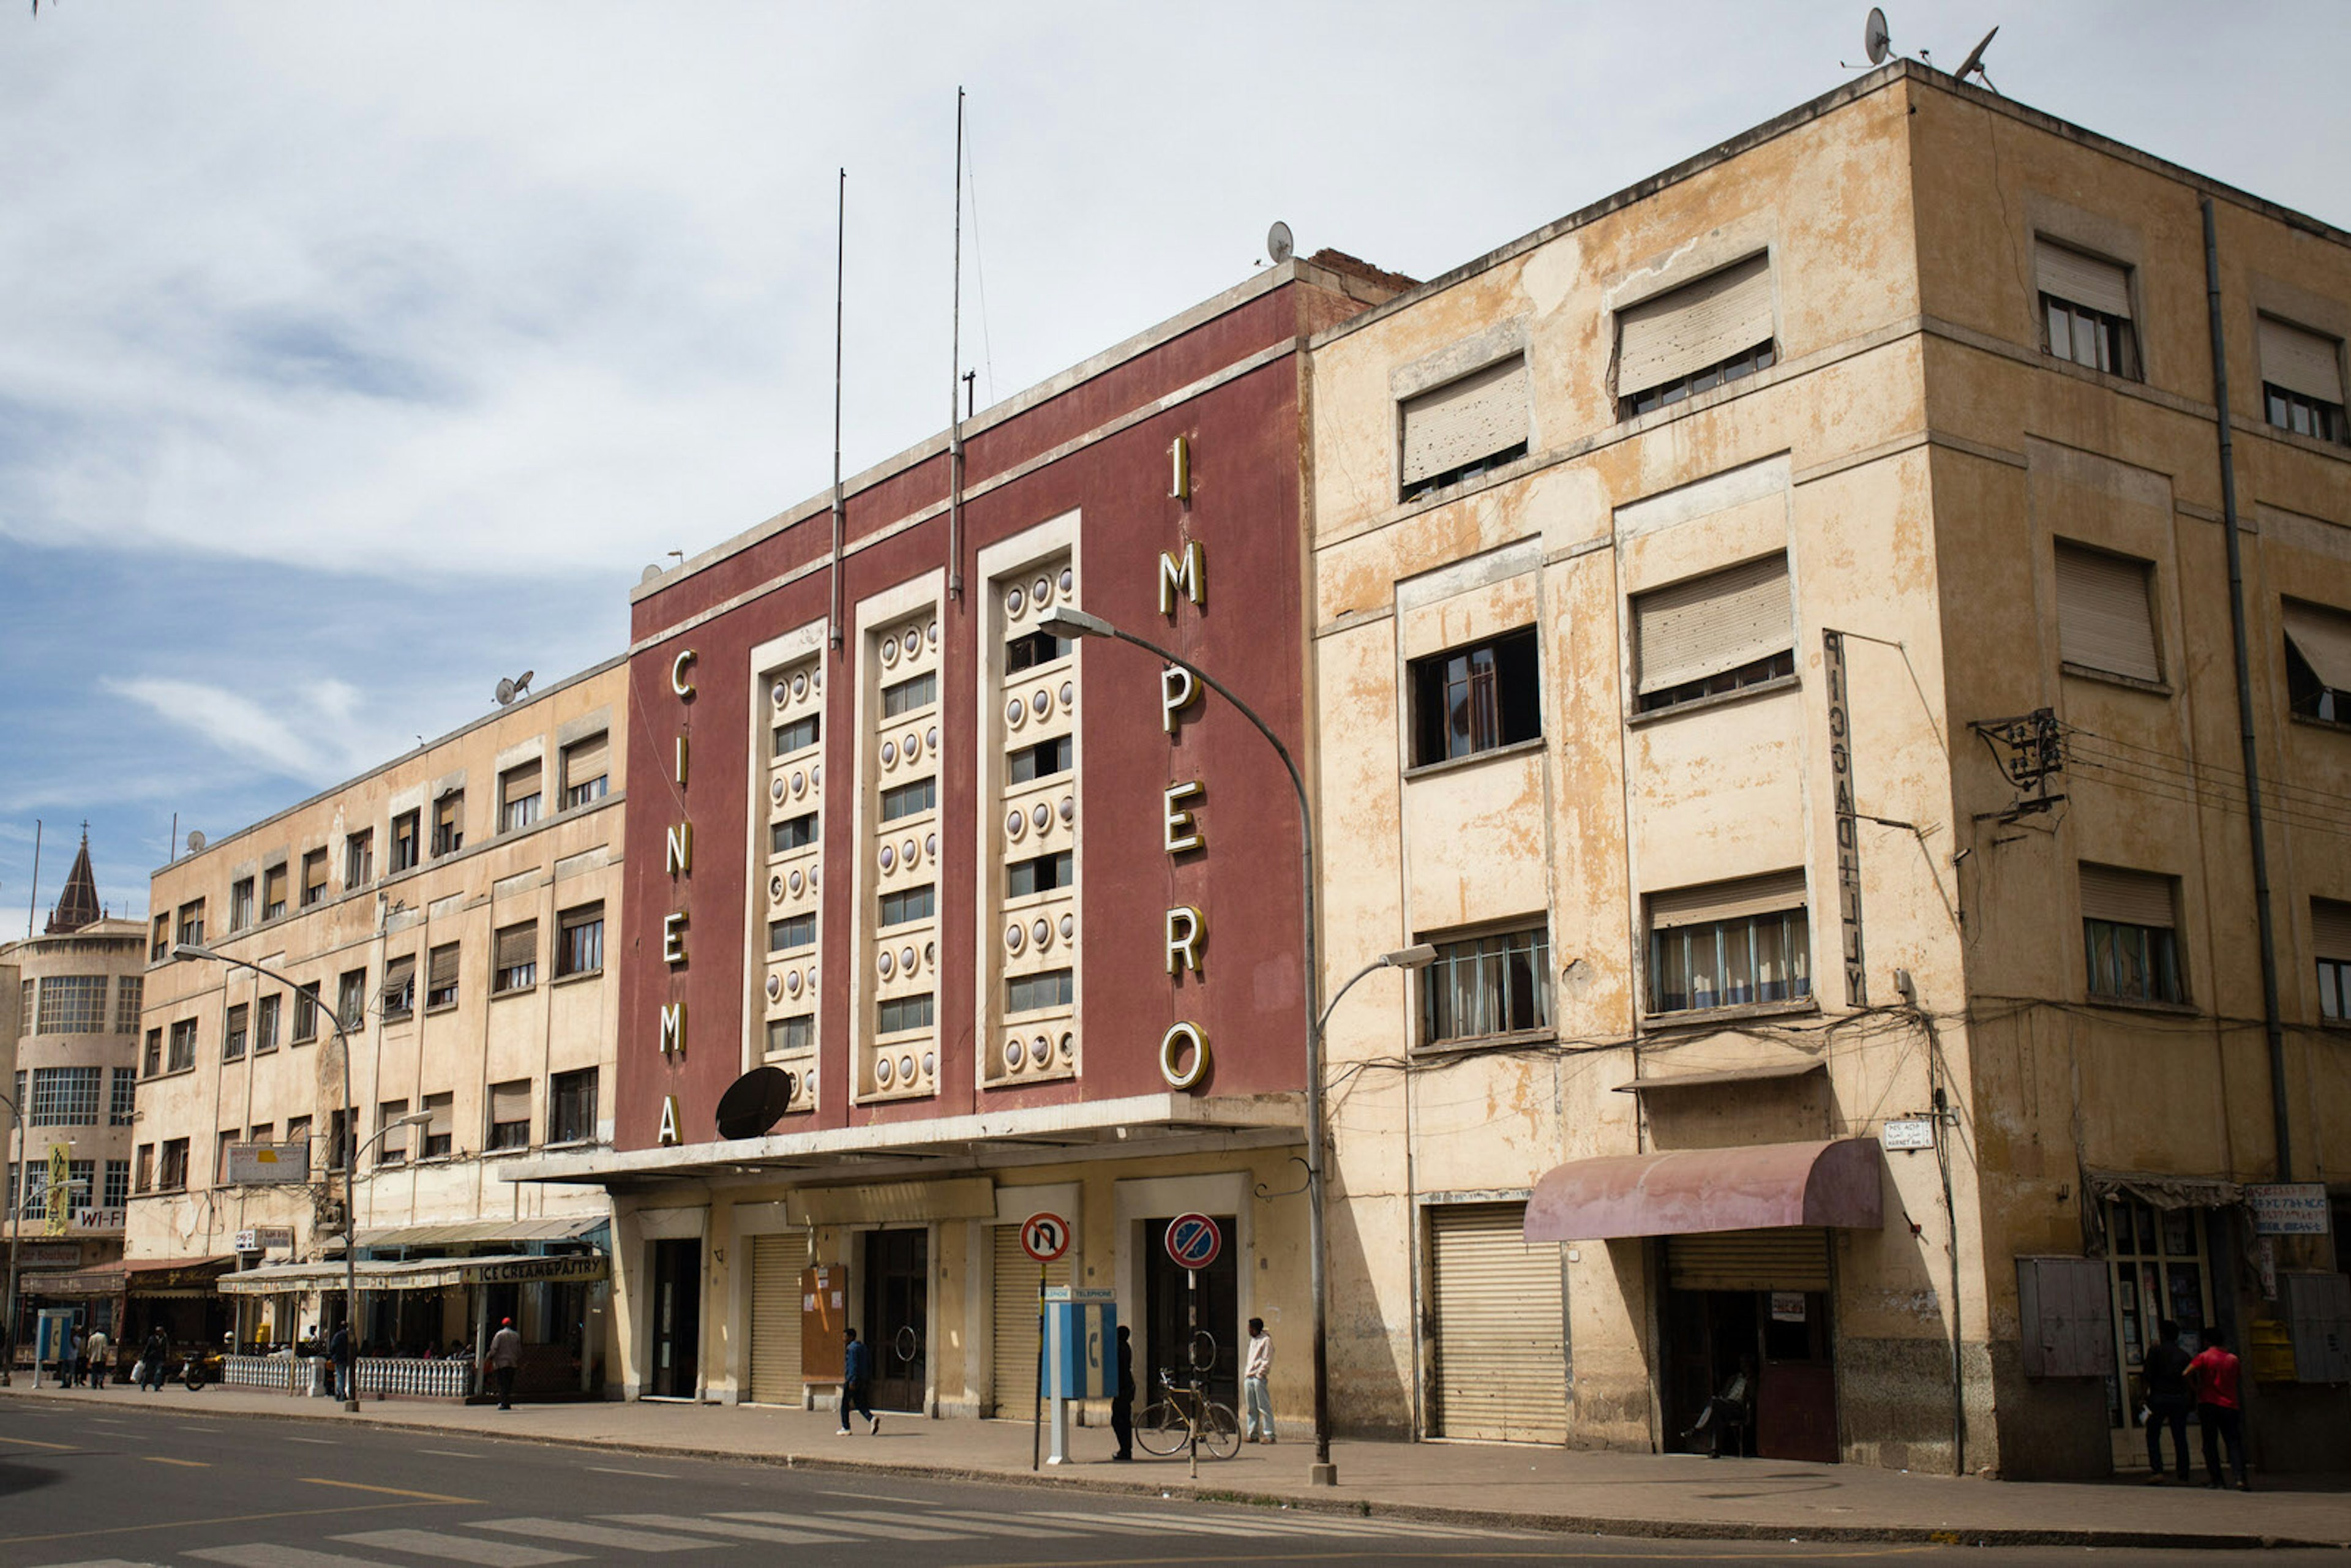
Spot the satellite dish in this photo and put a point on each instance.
(1875, 38)
(505, 691)
(1279, 244)
(195, 839)
(755, 1102)
(651, 574)
(1973, 64)
(522, 682)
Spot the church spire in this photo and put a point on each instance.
(77, 906)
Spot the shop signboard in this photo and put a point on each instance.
(268, 1165)
(2287, 1208)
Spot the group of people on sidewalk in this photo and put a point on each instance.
(2207, 1382)
(86, 1361)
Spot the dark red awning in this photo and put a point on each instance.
(1756, 1187)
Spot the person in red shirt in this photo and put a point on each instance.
(2213, 1374)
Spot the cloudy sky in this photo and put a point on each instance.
(352, 357)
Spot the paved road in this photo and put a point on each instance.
(92, 1486)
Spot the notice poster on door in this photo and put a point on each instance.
(1787, 1306)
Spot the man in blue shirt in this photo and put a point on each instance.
(856, 1372)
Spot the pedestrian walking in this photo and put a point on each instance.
(1258, 1424)
(2213, 1373)
(70, 1358)
(505, 1357)
(2169, 1400)
(856, 1376)
(340, 1356)
(152, 1356)
(1122, 1405)
(102, 1357)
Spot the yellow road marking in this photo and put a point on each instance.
(390, 1491)
(36, 1443)
(185, 1463)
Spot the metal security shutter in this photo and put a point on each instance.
(2125, 897)
(2322, 638)
(2084, 280)
(510, 1102)
(1765, 895)
(1792, 1259)
(776, 1265)
(2301, 360)
(1460, 423)
(1016, 1324)
(1499, 1344)
(2330, 929)
(2103, 618)
(1701, 324)
(1713, 623)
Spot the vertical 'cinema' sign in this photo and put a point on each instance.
(677, 862)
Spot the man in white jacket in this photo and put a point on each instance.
(1256, 1424)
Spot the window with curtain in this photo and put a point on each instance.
(2130, 947)
(1492, 984)
(1730, 944)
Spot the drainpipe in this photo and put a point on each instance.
(2271, 1025)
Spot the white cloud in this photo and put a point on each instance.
(309, 735)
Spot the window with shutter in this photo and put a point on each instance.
(586, 768)
(1461, 429)
(2317, 661)
(1731, 944)
(2330, 938)
(1695, 338)
(518, 797)
(391, 1144)
(516, 961)
(580, 940)
(1711, 634)
(510, 1114)
(2302, 380)
(441, 977)
(2131, 951)
(2086, 311)
(439, 1133)
(2104, 619)
(400, 987)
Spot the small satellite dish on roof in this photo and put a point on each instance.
(755, 1102)
(1973, 64)
(1875, 40)
(1278, 243)
(195, 839)
(505, 691)
(651, 574)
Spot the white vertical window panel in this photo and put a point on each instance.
(1714, 624)
(1464, 421)
(1697, 325)
(2103, 619)
(2302, 360)
(2084, 280)
(2127, 897)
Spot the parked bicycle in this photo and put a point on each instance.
(1169, 1424)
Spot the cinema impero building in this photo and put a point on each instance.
(1019, 918)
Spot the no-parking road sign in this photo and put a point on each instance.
(1194, 1241)
(1044, 1237)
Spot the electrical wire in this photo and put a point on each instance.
(979, 268)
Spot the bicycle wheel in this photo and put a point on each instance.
(1161, 1430)
(1220, 1432)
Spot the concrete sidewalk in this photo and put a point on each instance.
(1550, 1489)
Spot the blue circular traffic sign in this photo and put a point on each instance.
(1194, 1241)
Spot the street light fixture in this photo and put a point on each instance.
(1063, 621)
(192, 952)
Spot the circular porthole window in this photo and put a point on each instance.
(1043, 591)
(1041, 1051)
(1069, 580)
(889, 650)
(776, 790)
(888, 857)
(1040, 814)
(791, 984)
(1040, 932)
(906, 1068)
(886, 964)
(800, 684)
(1015, 601)
(889, 754)
(816, 775)
(883, 1071)
(931, 845)
(931, 737)
(796, 880)
(930, 1064)
(1069, 1047)
(933, 630)
(799, 783)
(1069, 927)
(931, 954)
(906, 854)
(1015, 1055)
(1068, 695)
(1015, 823)
(911, 747)
(1068, 807)
(774, 889)
(907, 959)
(1015, 711)
(1015, 938)
(775, 987)
(1041, 704)
(782, 693)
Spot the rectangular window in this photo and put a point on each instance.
(441, 977)
(359, 858)
(305, 1013)
(902, 1013)
(183, 1046)
(314, 877)
(265, 1023)
(1476, 699)
(73, 1004)
(405, 830)
(449, 823)
(919, 691)
(1482, 985)
(298, 1131)
(1731, 944)
(263, 1131)
(515, 965)
(1026, 993)
(791, 833)
(909, 903)
(130, 997)
(122, 1103)
(118, 1183)
(519, 796)
(221, 1142)
(350, 998)
(63, 1097)
(175, 1175)
(81, 1179)
(2104, 619)
(146, 1168)
(1695, 338)
(1708, 635)
(2130, 949)
(233, 1036)
(240, 904)
(1464, 428)
(192, 923)
(392, 1142)
(151, 1057)
(2085, 310)
(510, 1114)
(400, 987)
(2330, 937)
(571, 1106)
(159, 945)
(1042, 874)
(440, 1133)
(907, 799)
(791, 933)
(2302, 380)
(273, 891)
(25, 1010)
(798, 735)
(1041, 760)
(795, 1033)
(586, 770)
(1031, 649)
(580, 940)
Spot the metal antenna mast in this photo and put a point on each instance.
(955, 374)
(840, 272)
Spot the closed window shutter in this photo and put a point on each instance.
(2330, 929)
(522, 781)
(510, 1102)
(397, 974)
(1767, 894)
(1460, 422)
(2103, 618)
(443, 1117)
(585, 759)
(2301, 360)
(1712, 624)
(2324, 639)
(442, 967)
(518, 945)
(2084, 280)
(1701, 324)
(2125, 897)
(586, 914)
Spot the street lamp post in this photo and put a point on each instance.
(15, 1234)
(1064, 620)
(190, 950)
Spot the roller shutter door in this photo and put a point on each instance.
(1500, 1348)
(776, 1265)
(1016, 1324)
(1793, 1260)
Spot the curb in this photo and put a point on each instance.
(1630, 1527)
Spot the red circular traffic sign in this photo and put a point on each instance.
(1194, 1241)
(1044, 1237)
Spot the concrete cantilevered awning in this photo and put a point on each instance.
(1755, 1187)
